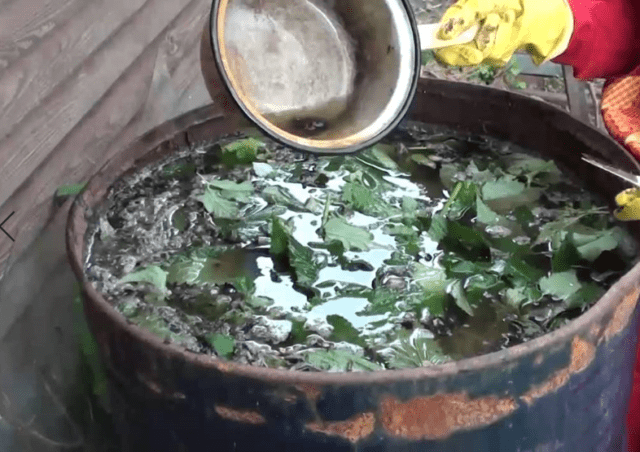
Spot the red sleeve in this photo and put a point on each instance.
(606, 38)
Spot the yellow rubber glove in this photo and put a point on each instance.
(628, 205)
(541, 27)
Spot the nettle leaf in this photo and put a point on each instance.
(590, 242)
(484, 213)
(503, 187)
(409, 207)
(281, 196)
(241, 151)
(591, 246)
(507, 204)
(351, 237)
(300, 257)
(438, 228)
(476, 285)
(423, 160)
(400, 229)
(433, 283)
(380, 153)
(240, 191)
(518, 269)
(448, 172)
(565, 257)
(457, 292)
(280, 233)
(477, 176)
(521, 296)
(223, 344)
(217, 205)
(459, 267)
(302, 260)
(421, 352)
(339, 361)
(532, 167)
(463, 198)
(152, 274)
(560, 285)
(587, 294)
(364, 199)
(343, 330)
(185, 270)
(382, 300)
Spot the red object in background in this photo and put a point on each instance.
(606, 44)
(606, 38)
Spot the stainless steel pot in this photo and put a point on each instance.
(323, 76)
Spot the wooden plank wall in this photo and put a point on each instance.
(79, 79)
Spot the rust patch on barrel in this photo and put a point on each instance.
(158, 390)
(312, 392)
(237, 415)
(441, 415)
(354, 429)
(582, 353)
(622, 314)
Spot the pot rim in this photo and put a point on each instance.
(95, 192)
(350, 149)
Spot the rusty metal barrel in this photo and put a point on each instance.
(565, 391)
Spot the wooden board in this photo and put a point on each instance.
(131, 102)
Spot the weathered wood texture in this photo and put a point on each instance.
(78, 80)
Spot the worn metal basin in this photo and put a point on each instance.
(566, 391)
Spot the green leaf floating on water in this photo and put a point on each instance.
(241, 151)
(423, 160)
(217, 205)
(565, 257)
(591, 246)
(280, 233)
(438, 228)
(560, 285)
(240, 191)
(282, 197)
(300, 257)
(303, 262)
(520, 296)
(418, 353)
(380, 152)
(433, 282)
(463, 198)
(223, 344)
(339, 361)
(364, 199)
(351, 237)
(343, 330)
(457, 291)
(502, 188)
(484, 213)
(185, 270)
(532, 168)
(152, 274)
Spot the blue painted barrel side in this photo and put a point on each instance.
(586, 413)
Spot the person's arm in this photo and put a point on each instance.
(606, 38)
